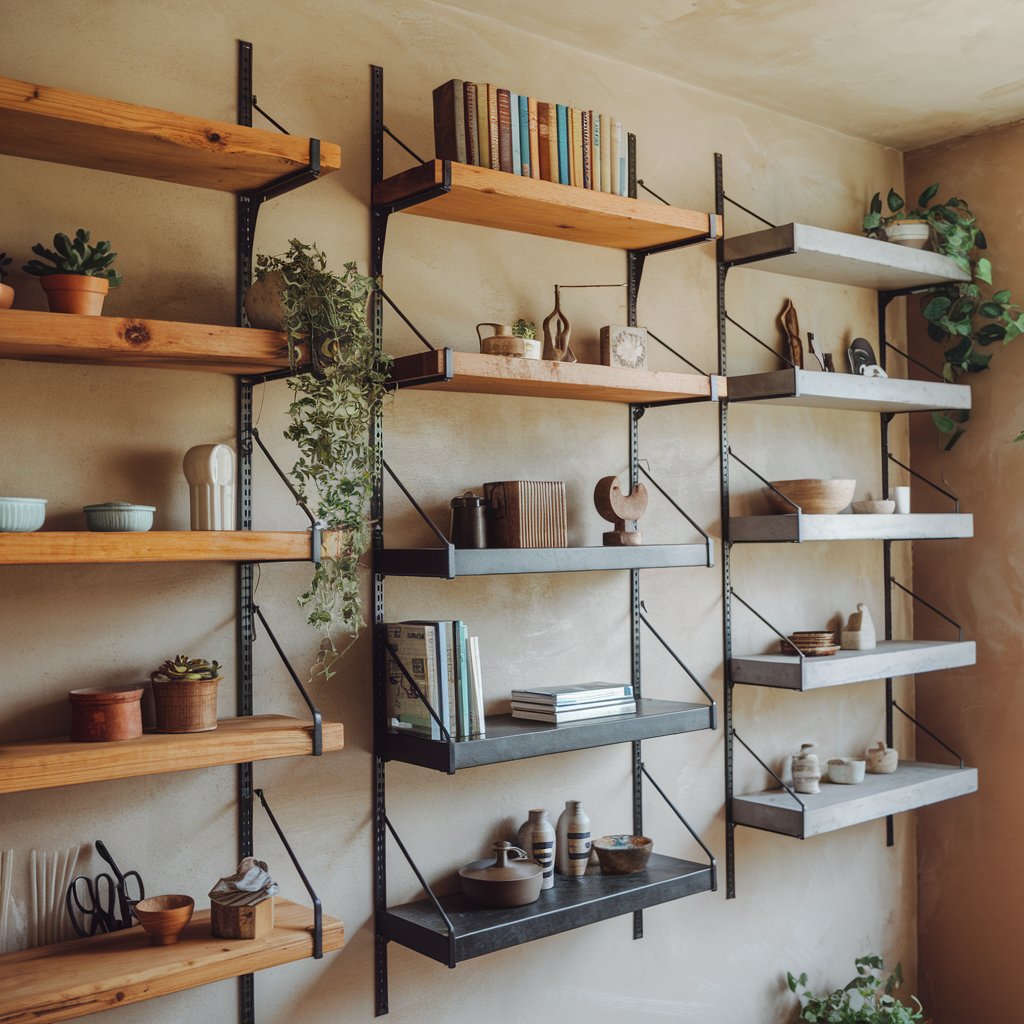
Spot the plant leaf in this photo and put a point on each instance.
(928, 195)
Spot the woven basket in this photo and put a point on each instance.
(186, 705)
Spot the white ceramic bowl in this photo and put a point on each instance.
(119, 517)
(21, 515)
(847, 771)
(884, 507)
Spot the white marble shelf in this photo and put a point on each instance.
(798, 527)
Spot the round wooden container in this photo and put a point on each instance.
(186, 705)
(99, 715)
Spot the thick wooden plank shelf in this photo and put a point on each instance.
(84, 976)
(162, 344)
(572, 903)
(796, 529)
(68, 547)
(799, 250)
(48, 763)
(42, 123)
(890, 658)
(912, 785)
(512, 739)
(479, 374)
(494, 199)
(811, 389)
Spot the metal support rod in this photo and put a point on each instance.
(408, 323)
(689, 828)
(277, 124)
(884, 421)
(928, 731)
(673, 503)
(678, 355)
(910, 359)
(393, 651)
(789, 789)
(740, 206)
(763, 345)
(765, 481)
(635, 414)
(941, 614)
(640, 182)
(299, 500)
(675, 657)
(782, 636)
(391, 135)
(412, 501)
(935, 487)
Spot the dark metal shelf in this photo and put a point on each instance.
(513, 739)
(572, 903)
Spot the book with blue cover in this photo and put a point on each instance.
(562, 115)
(524, 136)
(517, 138)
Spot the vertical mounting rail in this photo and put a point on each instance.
(883, 304)
(378, 227)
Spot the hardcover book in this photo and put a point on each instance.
(504, 131)
(566, 695)
(606, 153)
(562, 137)
(472, 140)
(616, 146)
(416, 648)
(631, 165)
(483, 131)
(492, 126)
(587, 141)
(627, 707)
(543, 141)
(534, 141)
(524, 135)
(450, 121)
(576, 150)
(517, 138)
(477, 727)
(552, 142)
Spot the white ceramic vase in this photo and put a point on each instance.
(210, 472)
(572, 840)
(537, 837)
(806, 770)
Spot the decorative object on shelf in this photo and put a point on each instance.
(536, 835)
(210, 472)
(811, 643)
(624, 347)
(621, 510)
(51, 874)
(846, 771)
(6, 301)
(164, 917)
(881, 760)
(22, 515)
(806, 769)
(502, 342)
(901, 499)
(792, 346)
(527, 331)
(103, 903)
(812, 352)
(814, 497)
(557, 347)
(572, 840)
(623, 854)
(512, 879)
(869, 507)
(105, 714)
(185, 693)
(81, 274)
(469, 521)
(859, 632)
(119, 517)
(6, 881)
(264, 301)
(829, 362)
(866, 999)
(526, 514)
(242, 904)
(862, 359)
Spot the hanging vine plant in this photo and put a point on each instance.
(333, 406)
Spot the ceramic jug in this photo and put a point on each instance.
(210, 472)
(502, 342)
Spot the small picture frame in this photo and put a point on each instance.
(624, 347)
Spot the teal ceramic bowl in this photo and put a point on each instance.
(119, 517)
(21, 515)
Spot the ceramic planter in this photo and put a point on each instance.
(911, 233)
(21, 515)
(6, 296)
(75, 293)
(106, 714)
(119, 517)
(846, 771)
(186, 705)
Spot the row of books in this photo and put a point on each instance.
(444, 662)
(486, 126)
(559, 704)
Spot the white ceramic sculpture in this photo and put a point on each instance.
(210, 472)
(859, 634)
(806, 770)
(882, 760)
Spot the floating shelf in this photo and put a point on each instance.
(513, 739)
(84, 976)
(799, 250)
(66, 548)
(41, 123)
(798, 528)
(478, 374)
(835, 807)
(890, 658)
(808, 388)
(494, 199)
(48, 763)
(572, 903)
(161, 344)
(449, 562)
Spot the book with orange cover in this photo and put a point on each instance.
(492, 126)
(534, 140)
(543, 140)
(504, 131)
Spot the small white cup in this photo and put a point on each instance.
(901, 495)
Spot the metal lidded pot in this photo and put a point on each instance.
(469, 527)
(510, 880)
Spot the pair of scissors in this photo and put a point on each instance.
(103, 904)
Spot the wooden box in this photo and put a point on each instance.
(227, 922)
(526, 514)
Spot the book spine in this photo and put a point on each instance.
(483, 132)
(524, 135)
(596, 129)
(575, 716)
(552, 142)
(616, 142)
(477, 726)
(415, 646)
(562, 141)
(587, 140)
(450, 121)
(543, 140)
(606, 153)
(461, 634)
(631, 166)
(504, 131)
(517, 148)
(576, 167)
(472, 141)
(492, 126)
(534, 138)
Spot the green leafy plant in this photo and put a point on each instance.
(524, 329)
(75, 256)
(333, 407)
(865, 999)
(960, 315)
(5, 262)
(184, 668)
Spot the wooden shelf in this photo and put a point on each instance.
(48, 763)
(796, 529)
(799, 250)
(912, 785)
(890, 658)
(494, 199)
(65, 548)
(810, 389)
(84, 976)
(162, 344)
(572, 903)
(479, 374)
(42, 123)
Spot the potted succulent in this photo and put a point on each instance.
(80, 275)
(185, 694)
(527, 330)
(865, 999)
(6, 291)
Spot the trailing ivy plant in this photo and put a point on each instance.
(960, 315)
(337, 390)
(865, 999)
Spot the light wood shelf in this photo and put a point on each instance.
(495, 199)
(48, 763)
(42, 123)
(798, 528)
(84, 976)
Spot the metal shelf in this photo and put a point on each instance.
(798, 528)
(572, 903)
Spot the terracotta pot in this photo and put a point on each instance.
(6, 296)
(75, 293)
(105, 714)
(186, 705)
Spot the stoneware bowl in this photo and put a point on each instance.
(164, 917)
(846, 771)
(815, 497)
(21, 515)
(874, 508)
(119, 517)
(622, 855)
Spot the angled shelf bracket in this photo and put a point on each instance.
(942, 743)
(746, 465)
(408, 323)
(750, 334)
(941, 614)
(679, 508)
(712, 704)
(778, 632)
(420, 695)
(887, 344)
(934, 486)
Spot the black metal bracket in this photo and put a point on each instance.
(709, 543)
(665, 345)
(447, 736)
(712, 704)
(934, 486)
(928, 732)
(782, 636)
(941, 614)
(779, 355)
(408, 323)
(739, 206)
(911, 359)
(440, 189)
(784, 785)
(446, 374)
(318, 914)
(419, 511)
(765, 481)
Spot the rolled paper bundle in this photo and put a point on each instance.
(249, 885)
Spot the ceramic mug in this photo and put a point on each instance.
(901, 495)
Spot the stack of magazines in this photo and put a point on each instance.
(559, 704)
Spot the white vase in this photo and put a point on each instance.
(210, 472)
(806, 770)
(572, 840)
(537, 837)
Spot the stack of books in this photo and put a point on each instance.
(444, 662)
(486, 126)
(558, 704)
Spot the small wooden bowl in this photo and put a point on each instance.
(623, 855)
(815, 497)
(164, 917)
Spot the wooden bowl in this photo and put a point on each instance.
(164, 917)
(623, 855)
(874, 508)
(815, 497)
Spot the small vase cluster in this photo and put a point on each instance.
(564, 847)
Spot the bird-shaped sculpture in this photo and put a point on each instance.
(621, 510)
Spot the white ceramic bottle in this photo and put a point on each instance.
(210, 472)
(572, 840)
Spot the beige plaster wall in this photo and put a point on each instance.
(84, 434)
(964, 925)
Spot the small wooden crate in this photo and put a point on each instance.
(253, 922)
(526, 514)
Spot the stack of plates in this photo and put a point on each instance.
(812, 643)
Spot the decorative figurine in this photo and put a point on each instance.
(859, 634)
(790, 325)
(557, 349)
(622, 510)
(882, 760)
(862, 359)
(625, 347)
(806, 769)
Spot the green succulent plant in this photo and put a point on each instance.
(5, 262)
(524, 329)
(74, 256)
(865, 999)
(185, 669)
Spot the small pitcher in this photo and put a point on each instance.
(502, 342)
